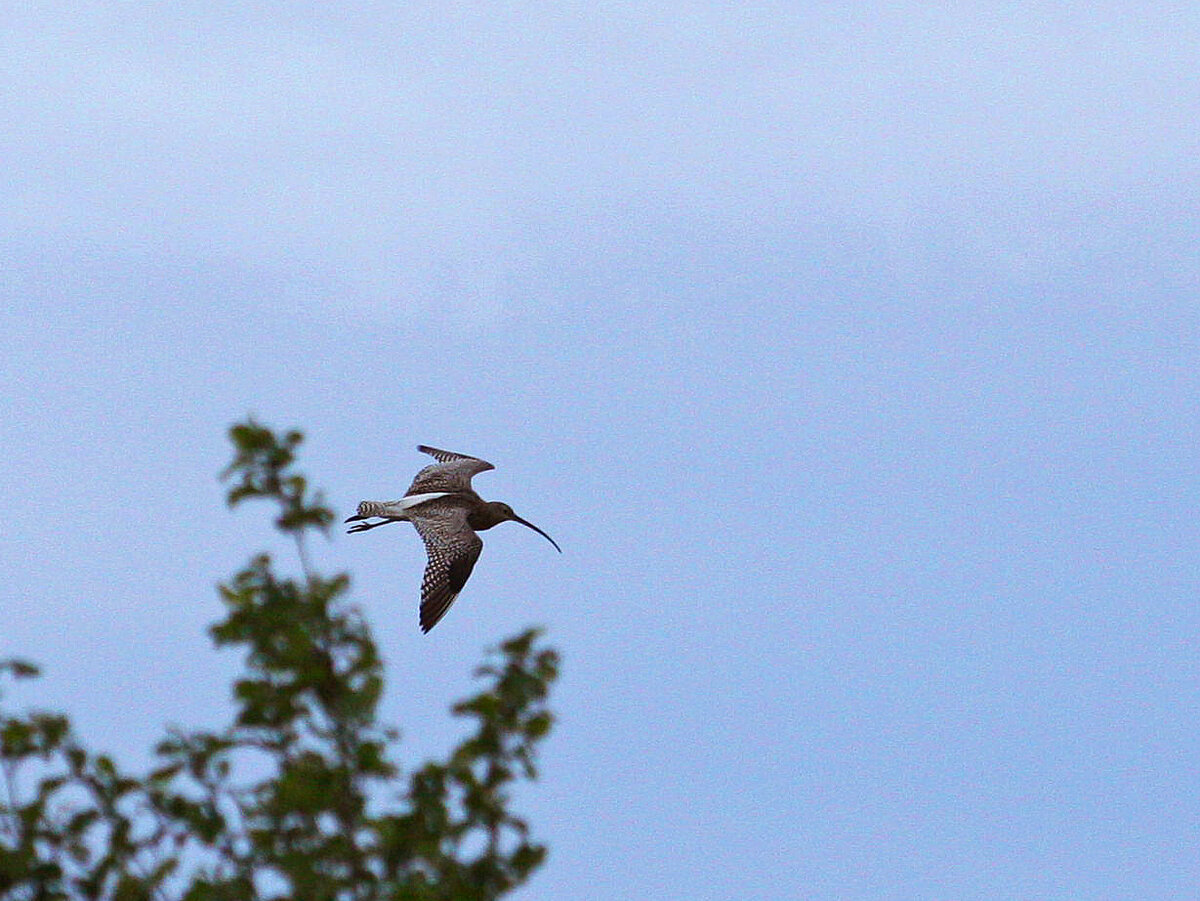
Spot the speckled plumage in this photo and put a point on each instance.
(452, 546)
(452, 472)
(446, 512)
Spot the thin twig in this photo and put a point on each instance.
(11, 791)
(302, 551)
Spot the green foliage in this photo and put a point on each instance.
(298, 797)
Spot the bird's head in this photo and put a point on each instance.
(502, 512)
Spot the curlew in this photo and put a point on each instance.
(447, 513)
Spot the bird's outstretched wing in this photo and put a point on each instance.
(445, 456)
(453, 547)
(452, 472)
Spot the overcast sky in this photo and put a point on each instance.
(848, 350)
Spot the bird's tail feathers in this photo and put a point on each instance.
(372, 508)
(396, 509)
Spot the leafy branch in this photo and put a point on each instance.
(298, 796)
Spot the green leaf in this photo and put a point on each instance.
(19, 669)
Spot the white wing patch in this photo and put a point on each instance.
(396, 509)
(413, 499)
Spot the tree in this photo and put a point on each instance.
(298, 796)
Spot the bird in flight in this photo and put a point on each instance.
(447, 513)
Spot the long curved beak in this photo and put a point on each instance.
(539, 531)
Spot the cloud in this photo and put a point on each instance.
(393, 156)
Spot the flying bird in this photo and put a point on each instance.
(447, 513)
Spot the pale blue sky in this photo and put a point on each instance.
(849, 351)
